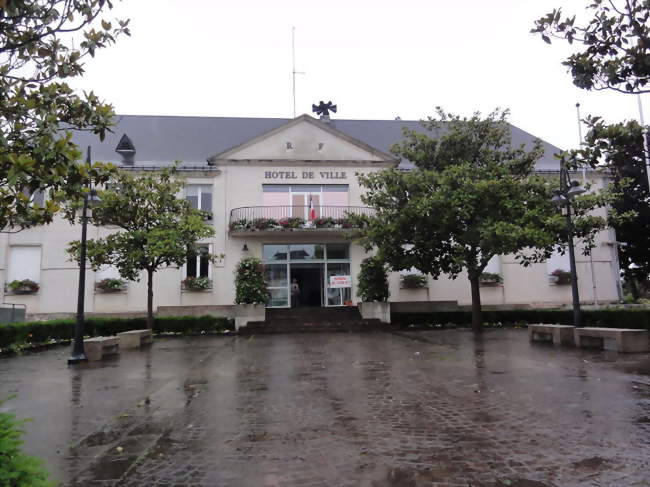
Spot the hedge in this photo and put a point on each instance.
(604, 318)
(60, 330)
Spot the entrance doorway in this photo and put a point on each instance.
(313, 266)
(309, 278)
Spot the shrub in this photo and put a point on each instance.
(373, 280)
(414, 281)
(40, 332)
(250, 287)
(604, 318)
(24, 285)
(16, 468)
(109, 284)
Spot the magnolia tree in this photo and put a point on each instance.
(472, 196)
(39, 111)
(157, 228)
(615, 44)
(614, 55)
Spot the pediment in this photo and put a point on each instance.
(304, 139)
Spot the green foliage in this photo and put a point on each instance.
(38, 56)
(197, 283)
(373, 280)
(23, 285)
(606, 318)
(109, 284)
(250, 286)
(616, 45)
(413, 281)
(158, 228)
(472, 196)
(260, 224)
(490, 277)
(619, 148)
(16, 468)
(43, 332)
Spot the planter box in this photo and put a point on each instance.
(115, 290)
(375, 310)
(490, 283)
(245, 313)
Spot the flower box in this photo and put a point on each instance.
(24, 286)
(559, 277)
(110, 285)
(490, 279)
(413, 281)
(196, 284)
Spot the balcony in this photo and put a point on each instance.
(274, 219)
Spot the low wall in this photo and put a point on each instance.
(220, 311)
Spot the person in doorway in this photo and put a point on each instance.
(295, 293)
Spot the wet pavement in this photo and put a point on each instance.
(434, 408)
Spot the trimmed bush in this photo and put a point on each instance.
(250, 286)
(604, 318)
(16, 334)
(373, 280)
(16, 468)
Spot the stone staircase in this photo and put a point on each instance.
(312, 320)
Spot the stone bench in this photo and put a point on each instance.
(556, 334)
(616, 339)
(135, 338)
(99, 347)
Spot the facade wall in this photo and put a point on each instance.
(238, 183)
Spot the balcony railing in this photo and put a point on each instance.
(270, 218)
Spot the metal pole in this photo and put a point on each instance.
(646, 149)
(78, 352)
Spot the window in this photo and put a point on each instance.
(199, 196)
(24, 263)
(199, 265)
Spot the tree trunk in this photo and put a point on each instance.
(150, 299)
(477, 316)
(634, 289)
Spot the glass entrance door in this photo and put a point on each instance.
(311, 266)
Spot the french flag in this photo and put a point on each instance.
(312, 210)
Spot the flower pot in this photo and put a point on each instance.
(375, 310)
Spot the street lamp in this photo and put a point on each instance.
(78, 352)
(562, 197)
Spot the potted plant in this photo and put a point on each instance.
(413, 281)
(23, 286)
(373, 290)
(490, 279)
(325, 222)
(560, 277)
(110, 285)
(291, 223)
(196, 283)
(251, 293)
(264, 223)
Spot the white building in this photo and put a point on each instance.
(245, 169)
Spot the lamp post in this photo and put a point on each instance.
(78, 353)
(562, 197)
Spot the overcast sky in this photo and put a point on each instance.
(376, 59)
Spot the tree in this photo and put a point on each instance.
(616, 42)
(158, 229)
(619, 149)
(39, 111)
(471, 196)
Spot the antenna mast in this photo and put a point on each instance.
(293, 71)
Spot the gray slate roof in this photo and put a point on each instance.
(161, 140)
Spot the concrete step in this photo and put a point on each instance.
(263, 328)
